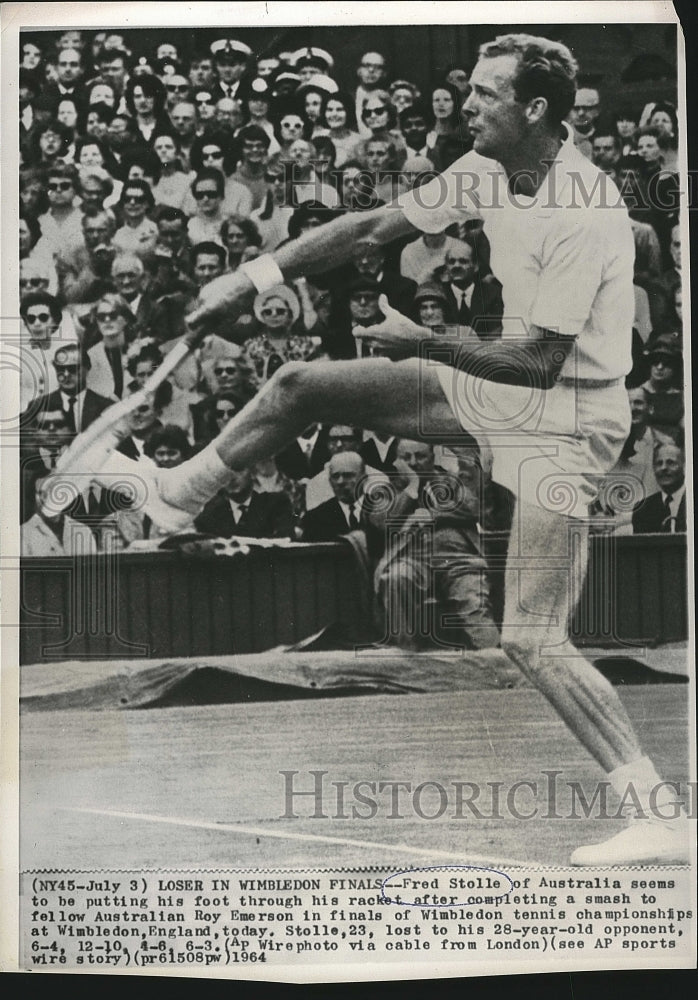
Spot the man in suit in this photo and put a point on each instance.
(473, 301)
(239, 510)
(341, 514)
(69, 72)
(79, 404)
(664, 511)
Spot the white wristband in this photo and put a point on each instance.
(263, 272)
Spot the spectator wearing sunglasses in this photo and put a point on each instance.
(216, 149)
(279, 337)
(116, 326)
(208, 189)
(62, 224)
(139, 234)
(44, 331)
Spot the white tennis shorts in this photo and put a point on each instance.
(552, 447)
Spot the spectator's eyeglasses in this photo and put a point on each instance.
(274, 178)
(293, 126)
(180, 87)
(373, 112)
(59, 185)
(225, 371)
(368, 65)
(67, 369)
(32, 282)
(203, 100)
(221, 414)
(68, 65)
(108, 315)
(135, 198)
(208, 193)
(217, 155)
(254, 147)
(274, 312)
(42, 317)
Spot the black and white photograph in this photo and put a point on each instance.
(347, 537)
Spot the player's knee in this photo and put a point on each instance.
(290, 381)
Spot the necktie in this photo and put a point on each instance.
(668, 523)
(353, 520)
(70, 415)
(241, 511)
(463, 311)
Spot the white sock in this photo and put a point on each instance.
(639, 782)
(191, 485)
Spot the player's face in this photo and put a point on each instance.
(495, 118)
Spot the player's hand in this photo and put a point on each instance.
(396, 331)
(230, 295)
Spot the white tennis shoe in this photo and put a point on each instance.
(643, 842)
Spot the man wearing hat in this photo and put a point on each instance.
(231, 58)
(310, 61)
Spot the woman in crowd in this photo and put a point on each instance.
(145, 100)
(291, 125)
(91, 151)
(207, 189)
(139, 234)
(273, 216)
(217, 150)
(115, 325)
(277, 311)
(241, 238)
(447, 138)
(173, 187)
(256, 101)
(33, 195)
(380, 117)
(338, 117)
(403, 94)
(49, 143)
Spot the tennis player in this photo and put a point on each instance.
(547, 400)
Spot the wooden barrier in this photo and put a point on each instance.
(168, 604)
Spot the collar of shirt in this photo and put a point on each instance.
(676, 498)
(239, 509)
(79, 398)
(349, 509)
(382, 447)
(463, 293)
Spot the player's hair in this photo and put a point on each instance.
(546, 69)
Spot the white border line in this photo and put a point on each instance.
(258, 831)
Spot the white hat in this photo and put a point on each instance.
(226, 46)
(282, 292)
(312, 54)
(319, 82)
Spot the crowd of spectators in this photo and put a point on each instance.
(144, 177)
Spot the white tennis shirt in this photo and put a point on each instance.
(564, 257)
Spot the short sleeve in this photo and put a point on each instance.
(451, 197)
(570, 276)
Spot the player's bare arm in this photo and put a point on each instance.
(314, 252)
(535, 362)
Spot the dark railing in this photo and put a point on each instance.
(168, 604)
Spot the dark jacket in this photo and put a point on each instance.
(269, 515)
(650, 516)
